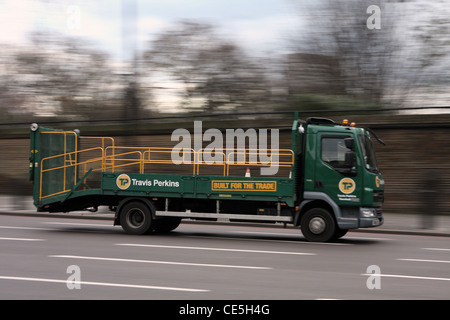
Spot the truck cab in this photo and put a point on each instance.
(341, 180)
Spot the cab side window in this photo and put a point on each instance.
(333, 151)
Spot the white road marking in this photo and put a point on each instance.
(269, 233)
(214, 249)
(79, 224)
(21, 239)
(425, 260)
(404, 276)
(279, 241)
(24, 228)
(160, 262)
(368, 238)
(437, 249)
(299, 234)
(105, 284)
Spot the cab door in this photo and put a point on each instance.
(336, 171)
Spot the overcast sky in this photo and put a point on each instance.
(257, 25)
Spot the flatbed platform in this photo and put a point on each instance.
(68, 177)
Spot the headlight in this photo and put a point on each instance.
(368, 213)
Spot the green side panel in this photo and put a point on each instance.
(55, 146)
(136, 184)
(201, 187)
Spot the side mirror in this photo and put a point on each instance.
(350, 162)
(349, 143)
(349, 159)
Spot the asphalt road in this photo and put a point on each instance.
(49, 258)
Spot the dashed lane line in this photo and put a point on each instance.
(160, 262)
(404, 276)
(214, 249)
(425, 260)
(20, 239)
(25, 228)
(437, 249)
(104, 284)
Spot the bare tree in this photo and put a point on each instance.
(210, 68)
(361, 60)
(62, 76)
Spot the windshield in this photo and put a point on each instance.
(370, 162)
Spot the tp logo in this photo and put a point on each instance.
(123, 181)
(347, 185)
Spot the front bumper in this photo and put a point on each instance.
(360, 218)
(370, 222)
(370, 217)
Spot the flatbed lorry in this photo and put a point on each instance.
(333, 182)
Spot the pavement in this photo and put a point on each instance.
(394, 223)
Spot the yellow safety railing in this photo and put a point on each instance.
(153, 156)
(122, 159)
(104, 146)
(249, 156)
(200, 160)
(64, 167)
(110, 158)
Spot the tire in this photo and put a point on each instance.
(166, 224)
(318, 225)
(136, 218)
(339, 233)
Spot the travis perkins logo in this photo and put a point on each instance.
(124, 181)
(347, 185)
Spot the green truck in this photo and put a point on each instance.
(330, 181)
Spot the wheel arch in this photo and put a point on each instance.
(316, 200)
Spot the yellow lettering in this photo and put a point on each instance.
(244, 186)
(236, 185)
(249, 185)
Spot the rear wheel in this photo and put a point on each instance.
(318, 225)
(136, 218)
(166, 224)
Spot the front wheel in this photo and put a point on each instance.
(340, 233)
(318, 225)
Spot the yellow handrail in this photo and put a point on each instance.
(64, 166)
(248, 152)
(103, 139)
(200, 159)
(113, 157)
(162, 150)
